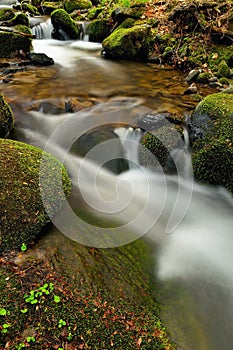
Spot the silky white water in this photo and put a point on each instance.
(190, 225)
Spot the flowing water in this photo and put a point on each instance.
(189, 225)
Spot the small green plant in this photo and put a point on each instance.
(61, 323)
(5, 327)
(20, 346)
(57, 299)
(31, 339)
(3, 311)
(24, 311)
(36, 296)
(23, 247)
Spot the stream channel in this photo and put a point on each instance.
(194, 255)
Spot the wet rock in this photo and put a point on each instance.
(193, 74)
(192, 89)
(23, 213)
(120, 14)
(151, 122)
(211, 131)
(98, 30)
(94, 141)
(128, 43)
(61, 20)
(6, 118)
(74, 104)
(40, 59)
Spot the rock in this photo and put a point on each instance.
(74, 104)
(130, 43)
(193, 74)
(93, 138)
(160, 143)
(6, 14)
(40, 59)
(13, 44)
(72, 5)
(62, 21)
(22, 211)
(151, 122)
(212, 139)
(223, 69)
(6, 118)
(98, 30)
(192, 89)
(120, 14)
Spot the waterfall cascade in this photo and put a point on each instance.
(43, 30)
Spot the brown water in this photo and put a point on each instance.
(82, 73)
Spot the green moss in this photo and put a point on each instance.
(159, 144)
(224, 81)
(95, 313)
(6, 14)
(71, 5)
(223, 69)
(6, 118)
(62, 20)
(130, 43)
(213, 156)
(20, 18)
(219, 105)
(204, 77)
(22, 210)
(94, 12)
(30, 8)
(12, 43)
(213, 163)
(98, 30)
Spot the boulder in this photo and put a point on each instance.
(6, 14)
(72, 5)
(22, 211)
(62, 21)
(212, 139)
(6, 118)
(14, 44)
(128, 43)
(40, 59)
(98, 30)
(97, 137)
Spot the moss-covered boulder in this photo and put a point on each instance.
(19, 18)
(6, 14)
(30, 9)
(13, 44)
(120, 14)
(22, 211)
(128, 43)
(72, 5)
(50, 6)
(6, 118)
(160, 143)
(212, 133)
(61, 20)
(98, 30)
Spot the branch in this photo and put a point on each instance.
(11, 30)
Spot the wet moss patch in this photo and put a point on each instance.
(22, 212)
